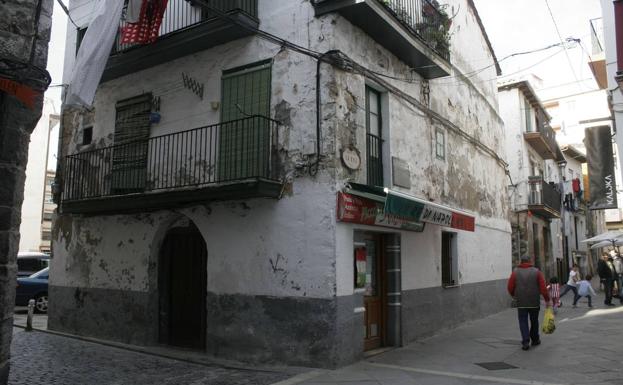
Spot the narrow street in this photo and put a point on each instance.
(584, 349)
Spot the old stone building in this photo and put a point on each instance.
(282, 181)
(24, 36)
(534, 159)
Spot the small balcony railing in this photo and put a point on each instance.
(183, 14)
(374, 147)
(425, 20)
(543, 194)
(227, 152)
(543, 137)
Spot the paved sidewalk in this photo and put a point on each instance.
(586, 348)
(20, 314)
(39, 358)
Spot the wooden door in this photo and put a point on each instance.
(183, 285)
(374, 297)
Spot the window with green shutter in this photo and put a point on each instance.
(244, 141)
(129, 158)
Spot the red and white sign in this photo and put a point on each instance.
(353, 209)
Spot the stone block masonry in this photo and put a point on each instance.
(24, 36)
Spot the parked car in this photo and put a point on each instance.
(29, 263)
(33, 287)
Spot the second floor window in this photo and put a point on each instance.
(440, 144)
(528, 115)
(374, 139)
(244, 143)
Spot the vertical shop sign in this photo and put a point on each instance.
(600, 161)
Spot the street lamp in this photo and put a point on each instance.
(562, 164)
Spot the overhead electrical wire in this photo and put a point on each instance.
(561, 40)
(60, 3)
(342, 61)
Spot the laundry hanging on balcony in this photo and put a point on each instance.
(93, 53)
(146, 30)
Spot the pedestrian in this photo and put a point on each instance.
(572, 282)
(605, 269)
(554, 293)
(585, 289)
(618, 279)
(524, 285)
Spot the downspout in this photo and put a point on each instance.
(618, 30)
(313, 167)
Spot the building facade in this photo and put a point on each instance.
(37, 209)
(533, 155)
(279, 181)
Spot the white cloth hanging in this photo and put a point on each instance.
(93, 53)
(134, 11)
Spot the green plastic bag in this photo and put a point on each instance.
(548, 321)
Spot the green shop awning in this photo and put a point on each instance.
(414, 209)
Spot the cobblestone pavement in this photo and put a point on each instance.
(42, 358)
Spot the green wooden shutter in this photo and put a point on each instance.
(129, 159)
(244, 144)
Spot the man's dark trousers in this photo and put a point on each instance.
(530, 332)
(608, 283)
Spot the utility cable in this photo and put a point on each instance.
(60, 2)
(341, 61)
(561, 40)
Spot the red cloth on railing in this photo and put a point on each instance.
(576, 185)
(146, 30)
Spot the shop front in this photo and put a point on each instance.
(380, 219)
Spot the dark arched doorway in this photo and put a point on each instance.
(182, 283)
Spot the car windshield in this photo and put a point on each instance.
(41, 273)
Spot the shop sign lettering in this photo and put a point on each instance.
(363, 211)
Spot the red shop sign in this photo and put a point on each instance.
(353, 209)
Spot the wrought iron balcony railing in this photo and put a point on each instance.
(183, 14)
(231, 151)
(374, 147)
(543, 194)
(426, 20)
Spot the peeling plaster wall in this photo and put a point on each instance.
(293, 248)
(274, 248)
(467, 179)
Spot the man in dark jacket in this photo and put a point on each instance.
(525, 284)
(605, 269)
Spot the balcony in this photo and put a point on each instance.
(543, 139)
(414, 30)
(185, 29)
(230, 160)
(543, 199)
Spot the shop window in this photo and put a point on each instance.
(449, 265)
(440, 144)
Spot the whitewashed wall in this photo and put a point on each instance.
(301, 226)
(32, 207)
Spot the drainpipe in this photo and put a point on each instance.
(618, 28)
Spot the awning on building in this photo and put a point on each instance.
(414, 209)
